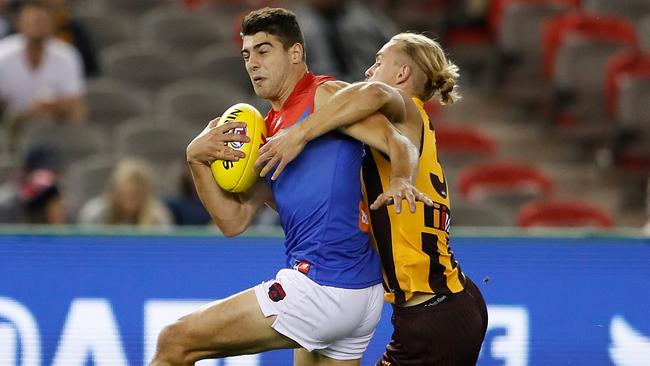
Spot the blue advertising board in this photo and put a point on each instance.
(78, 300)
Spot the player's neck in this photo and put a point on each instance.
(287, 88)
(409, 89)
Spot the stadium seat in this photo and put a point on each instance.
(110, 102)
(72, 142)
(579, 80)
(222, 64)
(632, 10)
(628, 64)
(585, 44)
(563, 213)
(634, 104)
(628, 101)
(196, 101)
(186, 33)
(511, 183)
(644, 33)
(581, 64)
(497, 8)
(520, 31)
(137, 7)
(633, 121)
(86, 179)
(596, 27)
(135, 140)
(145, 66)
(463, 142)
(106, 29)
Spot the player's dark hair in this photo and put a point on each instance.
(279, 22)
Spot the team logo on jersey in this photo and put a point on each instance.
(239, 131)
(439, 185)
(276, 292)
(302, 266)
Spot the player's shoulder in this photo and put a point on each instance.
(331, 86)
(325, 91)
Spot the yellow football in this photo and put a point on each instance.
(238, 176)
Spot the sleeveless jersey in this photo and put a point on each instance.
(318, 197)
(414, 247)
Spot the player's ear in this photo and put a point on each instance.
(404, 73)
(296, 53)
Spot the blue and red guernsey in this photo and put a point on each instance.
(318, 196)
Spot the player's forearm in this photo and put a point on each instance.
(403, 156)
(226, 209)
(347, 106)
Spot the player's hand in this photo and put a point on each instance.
(401, 189)
(279, 151)
(212, 143)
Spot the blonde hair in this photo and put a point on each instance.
(430, 58)
(136, 172)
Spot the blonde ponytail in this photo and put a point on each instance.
(430, 58)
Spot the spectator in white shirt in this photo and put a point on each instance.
(40, 77)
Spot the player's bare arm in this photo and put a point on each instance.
(360, 111)
(342, 109)
(232, 213)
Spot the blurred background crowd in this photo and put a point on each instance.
(99, 98)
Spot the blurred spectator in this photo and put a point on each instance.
(342, 37)
(186, 207)
(40, 78)
(32, 195)
(41, 199)
(128, 200)
(69, 30)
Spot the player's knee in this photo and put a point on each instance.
(173, 344)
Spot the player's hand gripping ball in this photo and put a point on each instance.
(238, 176)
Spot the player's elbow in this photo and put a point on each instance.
(378, 93)
(230, 230)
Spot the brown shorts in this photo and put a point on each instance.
(445, 330)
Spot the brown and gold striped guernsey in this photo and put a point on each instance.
(414, 247)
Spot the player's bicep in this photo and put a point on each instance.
(372, 131)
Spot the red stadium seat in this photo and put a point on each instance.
(463, 140)
(599, 27)
(498, 178)
(562, 213)
(624, 64)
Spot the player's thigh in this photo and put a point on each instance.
(302, 357)
(230, 327)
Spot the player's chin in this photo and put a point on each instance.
(261, 92)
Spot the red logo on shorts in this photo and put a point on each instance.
(276, 292)
(302, 266)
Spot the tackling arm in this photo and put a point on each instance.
(342, 106)
(359, 111)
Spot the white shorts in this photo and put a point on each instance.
(335, 322)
